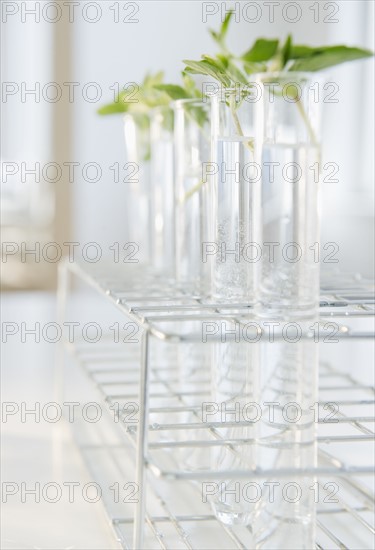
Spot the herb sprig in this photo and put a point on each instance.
(230, 71)
(267, 55)
(138, 99)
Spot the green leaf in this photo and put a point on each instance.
(300, 52)
(151, 80)
(220, 36)
(206, 68)
(197, 113)
(262, 50)
(142, 120)
(286, 51)
(190, 86)
(214, 35)
(235, 74)
(225, 24)
(220, 68)
(138, 99)
(168, 119)
(112, 108)
(330, 56)
(173, 90)
(215, 62)
(224, 59)
(121, 103)
(251, 68)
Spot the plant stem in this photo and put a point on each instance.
(201, 129)
(235, 117)
(200, 184)
(193, 190)
(237, 124)
(310, 129)
(248, 144)
(306, 120)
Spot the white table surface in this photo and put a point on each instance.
(31, 451)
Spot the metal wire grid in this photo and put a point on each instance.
(357, 504)
(353, 511)
(163, 308)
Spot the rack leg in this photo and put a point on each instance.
(139, 519)
(62, 296)
(58, 382)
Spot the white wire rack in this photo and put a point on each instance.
(168, 420)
